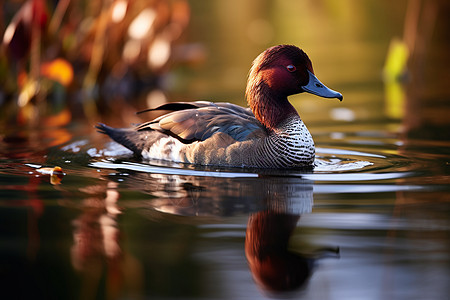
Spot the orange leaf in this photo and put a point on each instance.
(59, 70)
(56, 174)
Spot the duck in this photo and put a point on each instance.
(269, 133)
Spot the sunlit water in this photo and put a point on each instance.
(369, 221)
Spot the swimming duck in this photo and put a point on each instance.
(268, 134)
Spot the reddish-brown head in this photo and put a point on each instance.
(283, 68)
(277, 73)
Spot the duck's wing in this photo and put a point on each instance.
(198, 121)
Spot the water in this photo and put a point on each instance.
(369, 221)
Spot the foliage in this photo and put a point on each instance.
(77, 55)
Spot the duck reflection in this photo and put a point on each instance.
(266, 247)
(188, 195)
(275, 265)
(274, 204)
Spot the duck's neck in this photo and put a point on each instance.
(269, 107)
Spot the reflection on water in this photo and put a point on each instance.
(266, 247)
(274, 264)
(274, 206)
(97, 250)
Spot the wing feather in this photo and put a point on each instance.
(198, 121)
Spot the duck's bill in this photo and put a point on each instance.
(316, 87)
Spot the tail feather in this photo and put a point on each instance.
(131, 139)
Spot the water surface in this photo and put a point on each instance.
(369, 221)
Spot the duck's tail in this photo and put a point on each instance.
(131, 139)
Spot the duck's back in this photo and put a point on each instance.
(198, 121)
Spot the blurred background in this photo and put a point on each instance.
(63, 61)
(81, 219)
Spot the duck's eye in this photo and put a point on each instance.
(291, 68)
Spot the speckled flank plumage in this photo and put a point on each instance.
(291, 146)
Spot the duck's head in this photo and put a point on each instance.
(277, 73)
